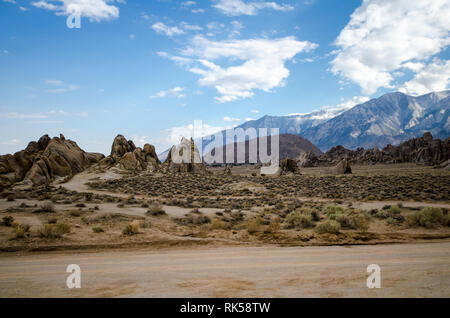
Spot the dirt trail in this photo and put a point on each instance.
(409, 270)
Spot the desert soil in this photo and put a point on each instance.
(407, 270)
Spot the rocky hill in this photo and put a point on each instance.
(43, 161)
(424, 150)
(291, 146)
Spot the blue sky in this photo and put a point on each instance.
(148, 69)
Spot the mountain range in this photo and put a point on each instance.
(390, 119)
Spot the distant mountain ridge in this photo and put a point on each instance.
(390, 119)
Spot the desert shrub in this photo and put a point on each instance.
(395, 210)
(54, 230)
(7, 220)
(315, 215)
(52, 220)
(427, 217)
(11, 197)
(97, 229)
(254, 225)
(45, 208)
(21, 231)
(328, 226)
(132, 228)
(333, 211)
(273, 227)
(80, 205)
(355, 222)
(299, 220)
(75, 213)
(156, 210)
(390, 212)
(217, 224)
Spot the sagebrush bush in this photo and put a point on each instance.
(45, 208)
(156, 210)
(254, 225)
(54, 230)
(354, 222)
(427, 217)
(328, 226)
(273, 227)
(132, 228)
(218, 224)
(299, 220)
(7, 220)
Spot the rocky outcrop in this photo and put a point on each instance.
(184, 158)
(42, 161)
(125, 155)
(424, 150)
(289, 166)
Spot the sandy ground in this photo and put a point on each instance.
(408, 270)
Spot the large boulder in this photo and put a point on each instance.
(120, 147)
(42, 161)
(125, 155)
(289, 166)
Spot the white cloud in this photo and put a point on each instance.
(11, 142)
(384, 36)
(177, 92)
(434, 77)
(231, 119)
(254, 111)
(95, 10)
(240, 7)
(161, 28)
(41, 115)
(262, 64)
(132, 36)
(59, 87)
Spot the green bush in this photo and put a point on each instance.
(328, 226)
(333, 211)
(427, 217)
(21, 231)
(97, 229)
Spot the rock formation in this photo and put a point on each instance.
(125, 155)
(343, 167)
(424, 150)
(42, 161)
(288, 165)
(184, 158)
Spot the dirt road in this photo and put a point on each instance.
(410, 270)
